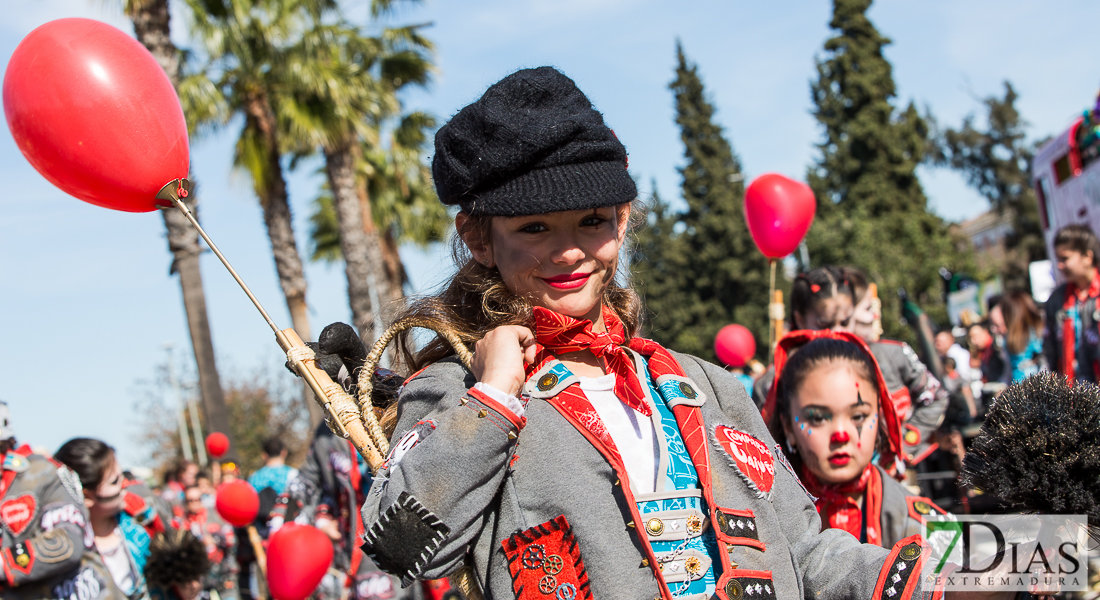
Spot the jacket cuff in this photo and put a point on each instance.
(504, 418)
(509, 401)
(900, 576)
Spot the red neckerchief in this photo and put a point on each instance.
(840, 511)
(1069, 335)
(561, 334)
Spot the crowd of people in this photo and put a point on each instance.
(572, 458)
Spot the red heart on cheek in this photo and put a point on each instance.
(18, 512)
(752, 458)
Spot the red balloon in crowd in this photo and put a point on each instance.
(298, 556)
(734, 345)
(95, 114)
(237, 503)
(779, 212)
(217, 444)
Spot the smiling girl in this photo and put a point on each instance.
(576, 459)
(830, 412)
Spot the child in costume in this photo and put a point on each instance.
(46, 548)
(826, 298)
(830, 409)
(575, 459)
(122, 522)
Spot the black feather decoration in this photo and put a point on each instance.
(176, 557)
(1039, 448)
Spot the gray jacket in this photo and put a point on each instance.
(472, 475)
(47, 550)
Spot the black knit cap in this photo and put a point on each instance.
(532, 144)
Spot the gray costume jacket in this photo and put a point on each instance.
(46, 546)
(468, 480)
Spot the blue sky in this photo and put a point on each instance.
(88, 304)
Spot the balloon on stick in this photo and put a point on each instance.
(298, 556)
(779, 212)
(237, 502)
(734, 345)
(217, 444)
(95, 114)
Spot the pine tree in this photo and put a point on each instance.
(698, 270)
(872, 212)
(996, 161)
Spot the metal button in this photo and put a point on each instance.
(910, 552)
(694, 524)
(546, 382)
(655, 526)
(734, 590)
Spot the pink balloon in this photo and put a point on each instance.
(237, 502)
(298, 556)
(779, 212)
(95, 114)
(734, 345)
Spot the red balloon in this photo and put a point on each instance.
(237, 503)
(779, 212)
(95, 114)
(734, 345)
(217, 444)
(297, 558)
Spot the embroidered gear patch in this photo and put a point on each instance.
(751, 457)
(546, 564)
(18, 512)
(406, 536)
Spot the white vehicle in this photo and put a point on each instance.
(1066, 175)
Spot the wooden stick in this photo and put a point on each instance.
(780, 323)
(258, 549)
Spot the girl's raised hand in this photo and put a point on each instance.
(499, 357)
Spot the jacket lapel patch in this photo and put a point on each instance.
(751, 457)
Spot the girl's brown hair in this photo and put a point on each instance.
(1022, 319)
(476, 301)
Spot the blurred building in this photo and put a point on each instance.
(987, 234)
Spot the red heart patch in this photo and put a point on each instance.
(18, 512)
(753, 459)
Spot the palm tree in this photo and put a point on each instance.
(345, 93)
(151, 26)
(244, 42)
(403, 201)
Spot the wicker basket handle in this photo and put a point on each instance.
(366, 407)
(463, 579)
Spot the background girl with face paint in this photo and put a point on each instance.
(829, 411)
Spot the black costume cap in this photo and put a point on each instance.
(531, 144)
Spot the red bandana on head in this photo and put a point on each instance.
(560, 334)
(796, 339)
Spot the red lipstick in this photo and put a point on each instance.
(840, 459)
(567, 282)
